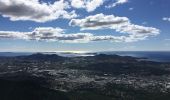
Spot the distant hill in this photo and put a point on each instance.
(40, 56)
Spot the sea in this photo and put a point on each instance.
(159, 56)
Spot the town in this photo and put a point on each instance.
(112, 76)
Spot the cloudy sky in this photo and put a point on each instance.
(84, 25)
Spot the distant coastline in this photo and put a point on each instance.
(159, 56)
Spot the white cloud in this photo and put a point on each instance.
(13, 35)
(118, 2)
(58, 34)
(47, 34)
(78, 3)
(119, 24)
(89, 5)
(166, 19)
(99, 21)
(108, 38)
(53, 34)
(131, 9)
(34, 10)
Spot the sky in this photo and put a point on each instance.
(84, 25)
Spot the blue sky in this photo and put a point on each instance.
(89, 25)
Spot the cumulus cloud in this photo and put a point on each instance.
(118, 2)
(34, 10)
(53, 34)
(99, 21)
(44, 34)
(13, 35)
(58, 34)
(89, 5)
(119, 24)
(166, 19)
